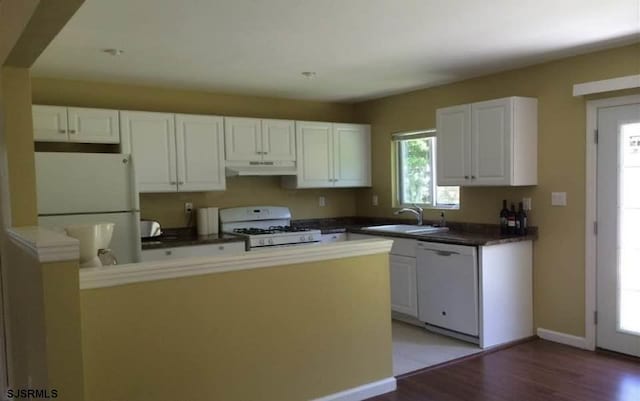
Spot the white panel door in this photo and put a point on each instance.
(453, 145)
(50, 123)
(93, 125)
(151, 140)
(315, 147)
(351, 155)
(278, 140)
(243, 139)
(200, 149)
(491, 124)
(402, 276)
(618, 243)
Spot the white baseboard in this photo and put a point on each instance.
(562, 338)
(362, 392)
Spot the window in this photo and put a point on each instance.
(416, 168)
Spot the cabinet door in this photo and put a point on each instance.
(278, 140)
(404, 285)
(315, 150)
(50, 123)
(453, 148)
(491, 142)
(200, 153)
(151, 140)
(243, 139)
(351, 155)
(93, 125)
(448, 287)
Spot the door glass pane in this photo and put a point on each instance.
(629, 240)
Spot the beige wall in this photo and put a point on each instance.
(559, 252)
(293, 332)
(169, 208)
(17, 134)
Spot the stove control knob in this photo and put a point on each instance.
(270, 242)
(261, 242)
(302, 238)
(310, 238)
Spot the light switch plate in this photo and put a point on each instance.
(374, 200)
(322, 201)
(526, 204)
(558, 199)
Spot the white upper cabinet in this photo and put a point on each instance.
(331, 155)
(173, 153)
(243, 138)
(75, 124)
(50, 124)
(278, 140)
(492, 143)
(259, 140)
(315, 151)
(200, 150)
(150, 139)
(351, 155)
(93, 125)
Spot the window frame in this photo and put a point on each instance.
(397, 141)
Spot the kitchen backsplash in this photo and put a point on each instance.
(168, 208)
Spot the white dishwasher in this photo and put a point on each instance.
(448, 286)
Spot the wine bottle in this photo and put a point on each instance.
(522, 219)
(504, 216)
(511, 220)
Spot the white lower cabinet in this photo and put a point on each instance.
(195, 251)
(402, 276)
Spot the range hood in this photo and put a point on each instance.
(256, 168)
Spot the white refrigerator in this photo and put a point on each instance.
(80, 188)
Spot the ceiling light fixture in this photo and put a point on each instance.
(113, 52)
(309, 74)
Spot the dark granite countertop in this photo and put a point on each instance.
(175, 237)
(459, 233)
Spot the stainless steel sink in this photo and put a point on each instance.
(406, 229)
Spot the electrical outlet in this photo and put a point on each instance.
(188, 207)
(526, 204)
(322, 201)
(374, 200)
(558, 199)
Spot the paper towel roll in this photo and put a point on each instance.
(212, 221)
(203, 221)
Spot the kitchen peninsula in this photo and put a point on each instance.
(302, 322)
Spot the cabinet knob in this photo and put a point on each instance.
(180, 182)
(473, 177)
(172, 182)
(62, 131)
(168, 253)
(466, 177)
(72, 131)
(444, 313)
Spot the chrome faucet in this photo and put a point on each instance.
(416, 210)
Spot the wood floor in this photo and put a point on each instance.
(534, 371)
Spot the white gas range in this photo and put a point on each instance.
(266, 226)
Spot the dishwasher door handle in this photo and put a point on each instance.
(440, 252)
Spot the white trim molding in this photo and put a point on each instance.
(363, 392)
(45, 245)
(109, 276)
(591, 216)
(562, 338)
(607, 85)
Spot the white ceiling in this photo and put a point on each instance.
(360, 49)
